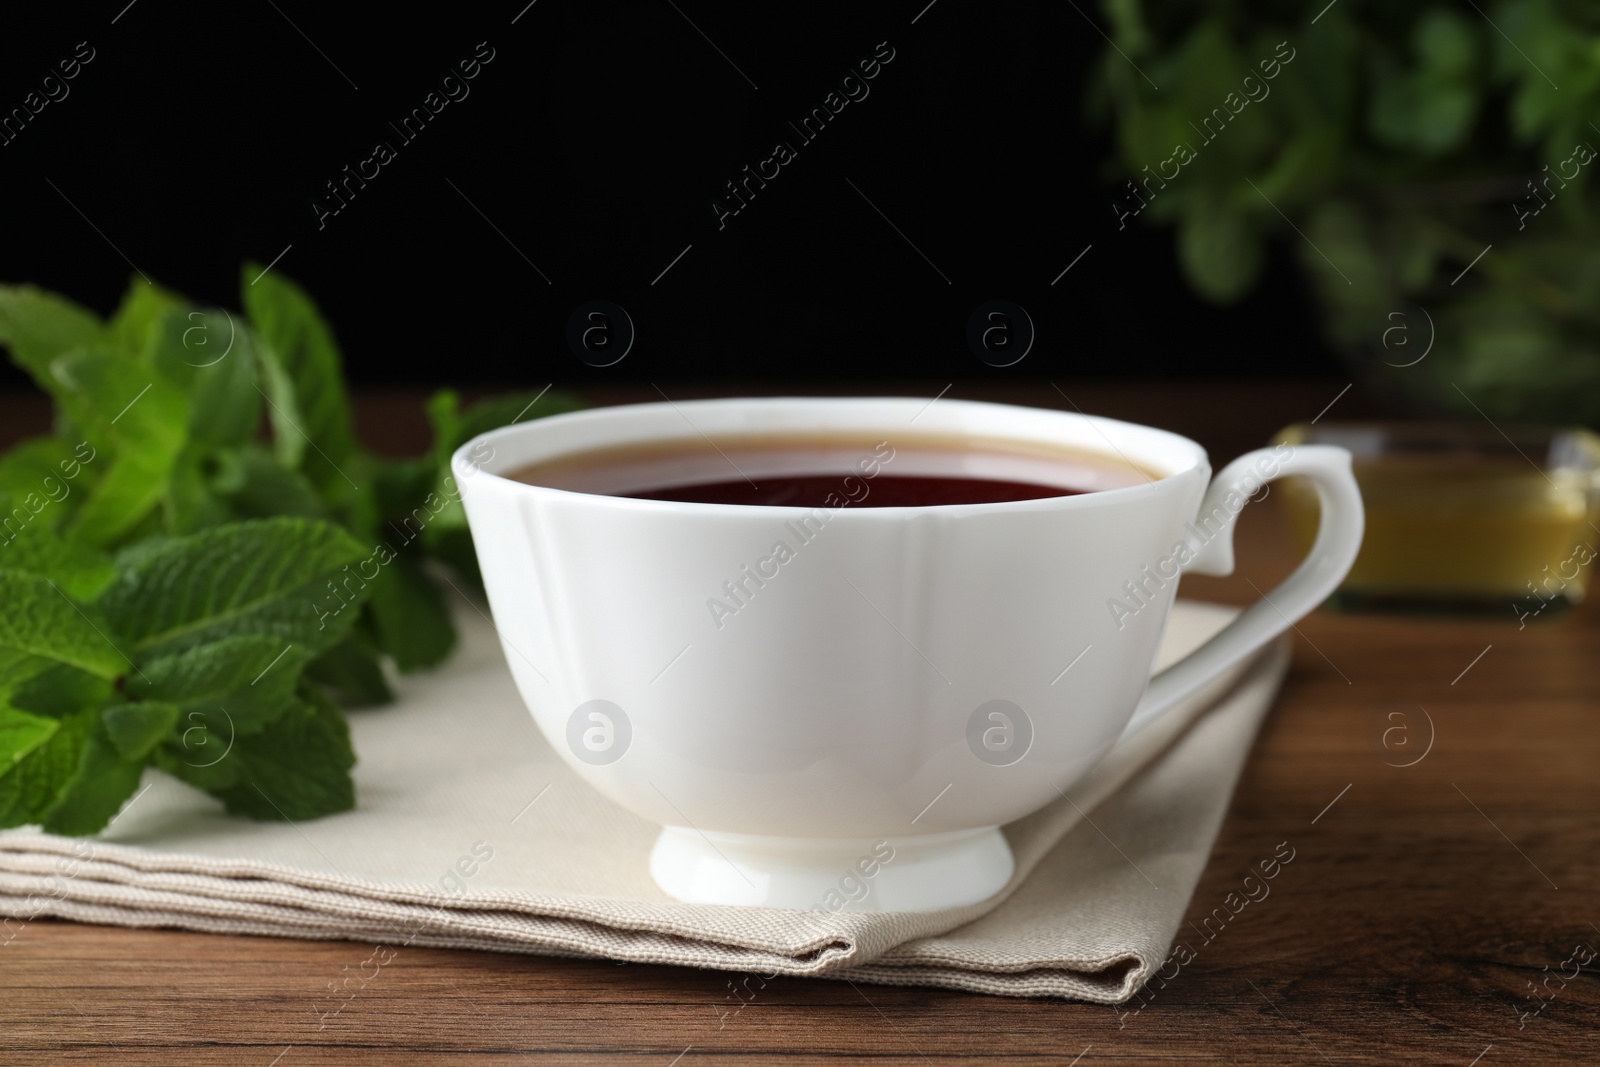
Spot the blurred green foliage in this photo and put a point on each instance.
(1402, 140)
(186, 591)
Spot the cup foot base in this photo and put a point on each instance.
(927, 872)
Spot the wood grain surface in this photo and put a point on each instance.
(1424, 904)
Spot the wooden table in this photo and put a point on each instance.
(1422, 902)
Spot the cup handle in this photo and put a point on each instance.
(1210, 538)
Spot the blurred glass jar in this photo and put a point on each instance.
(1463, 518)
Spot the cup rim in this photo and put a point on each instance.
(1194, 456)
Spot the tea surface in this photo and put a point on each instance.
(834, 470)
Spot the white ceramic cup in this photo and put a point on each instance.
(897, 687)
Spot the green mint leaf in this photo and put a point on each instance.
(100, 785)
(245, 680)
(135, 729)
(353, 671)
(78, 570)
(137, 323)
(297, 768)
(444, 415)
(409, 616)
(20, 734)
(1220, 252)
(42, 482)
(1446, 43)
(60, 691)
(356, 508)
(1414, 112)
(200, 753)
(268, 576)
(294, 339)
(495, 412)
(40, 627)
(1303, 166)
(446, 516)
(124, 499)
(289, 442)
(446, 535)
(134, 415)
(403, 484)
(191, 503)
(210, 356)
(38, 326)
(52, 472)
(255, 485)
(453, 545)
(123, 405)
(30, 787)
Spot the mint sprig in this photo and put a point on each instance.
(202, 557)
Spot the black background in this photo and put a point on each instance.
(592, 145)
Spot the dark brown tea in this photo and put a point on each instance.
(828, 470)
(885, 491)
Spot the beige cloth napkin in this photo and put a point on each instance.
(470, 832)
